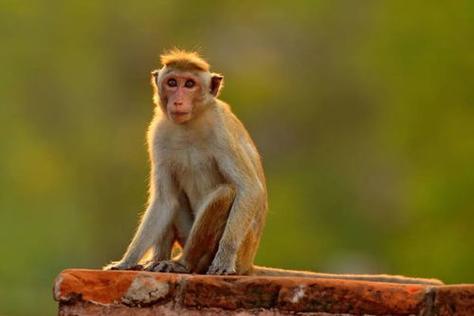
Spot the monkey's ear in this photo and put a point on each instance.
(154, 74)
(216, 84)
(154, 77)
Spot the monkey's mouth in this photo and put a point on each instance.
(179, 113)
(180, 117)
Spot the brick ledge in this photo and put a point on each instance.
(96, 292)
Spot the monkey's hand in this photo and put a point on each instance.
(173, 266)
(222, 267)
(120, 265)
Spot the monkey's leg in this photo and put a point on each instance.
(183, 221)
(182, 225)
(206, 232)
(161, 250)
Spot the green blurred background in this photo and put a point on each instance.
(363, 112)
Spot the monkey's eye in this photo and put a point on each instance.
(172, 83)
(189, 83)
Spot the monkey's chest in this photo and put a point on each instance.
(196, 173)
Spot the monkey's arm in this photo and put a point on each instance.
(237, 167)
(158, 216)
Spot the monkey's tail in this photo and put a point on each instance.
(264, 271)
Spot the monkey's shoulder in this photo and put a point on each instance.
(229, 125)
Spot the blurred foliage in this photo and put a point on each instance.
(363, 112)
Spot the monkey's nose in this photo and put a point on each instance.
(178, 103)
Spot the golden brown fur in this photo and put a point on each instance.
(182, 59)
(207, 185)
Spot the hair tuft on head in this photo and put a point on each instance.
(183, 59)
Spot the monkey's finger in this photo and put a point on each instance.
(161, 267)
(227, 272)
(151, 266)
(116, 266)
(221, 271)
(137, 267)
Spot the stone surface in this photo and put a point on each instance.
(95, 292)
(454, 300)
(146, 290)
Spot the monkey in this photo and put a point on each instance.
(207, 190)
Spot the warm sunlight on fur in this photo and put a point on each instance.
(182, 59)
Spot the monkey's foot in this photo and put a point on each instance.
(167, 266)
(218, 270)
(118, 265)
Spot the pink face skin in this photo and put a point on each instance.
(181, 89)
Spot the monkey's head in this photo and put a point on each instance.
(184, 86)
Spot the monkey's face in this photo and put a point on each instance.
(182, 92)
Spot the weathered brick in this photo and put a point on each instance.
(95, 292)
(230, 292)
(108, 287)
(454, 300)
(351, 297)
